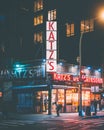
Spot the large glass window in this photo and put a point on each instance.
(52, 14)
(85, 98)
(38, 37)
(60, 96)
(24, 101)
(87, 25)
(72, 97)
(38, 20)
(38, 5)
(69, 30)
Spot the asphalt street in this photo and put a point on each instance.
(66, 121)
(56, 123)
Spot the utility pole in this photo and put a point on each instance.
(49, 83)
(80, 76)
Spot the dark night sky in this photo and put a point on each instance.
(92, 49)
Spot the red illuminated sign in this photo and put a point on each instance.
(67, 77)
(51, 46)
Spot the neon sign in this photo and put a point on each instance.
(67, 77)
(51, 46)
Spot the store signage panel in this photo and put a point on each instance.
(51, 46)
(67, 77)
(19, 73)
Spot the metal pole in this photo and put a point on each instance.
(49, 83)
(80, 64)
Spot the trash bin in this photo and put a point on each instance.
(88, 111)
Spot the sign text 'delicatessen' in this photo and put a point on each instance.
(67, 77)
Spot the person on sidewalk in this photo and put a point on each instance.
(99, 104)
(102, 103)
(58, 108)
(45, 103)
(95, 106)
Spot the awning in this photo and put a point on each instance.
(29, 86)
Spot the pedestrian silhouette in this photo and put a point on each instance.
(95, 106)
(58, 108)
(102, 103)
(45, 104)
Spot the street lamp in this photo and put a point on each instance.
(80, 67)
(101, 15)
(49, 83)
(80, 76)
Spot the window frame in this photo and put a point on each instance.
(52, 14)
(38, 20)
(87, 26)
(38, 37)
(70, 29)
(38, 5)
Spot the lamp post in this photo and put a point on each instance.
(49, 83)
(80, 67)
(80, 76)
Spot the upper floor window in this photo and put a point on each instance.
(38, 20)
(69, 30)
(87, 25)
(52, 14)
(38, 5)
(38, 37)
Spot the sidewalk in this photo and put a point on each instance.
(98, 115)
(40, 117)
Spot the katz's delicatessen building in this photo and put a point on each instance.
(30, 92)
(66, 86)
(65, 81)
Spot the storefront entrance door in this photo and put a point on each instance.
(40, 101)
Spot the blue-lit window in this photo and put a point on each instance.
(24, 100)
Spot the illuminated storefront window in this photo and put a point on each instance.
(95, 96)
(71, 100)
(85, 98)
(60, 96)
(38, 5)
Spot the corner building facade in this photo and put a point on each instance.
(28, 91)
(30, 88)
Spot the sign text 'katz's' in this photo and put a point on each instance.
(51, 46)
